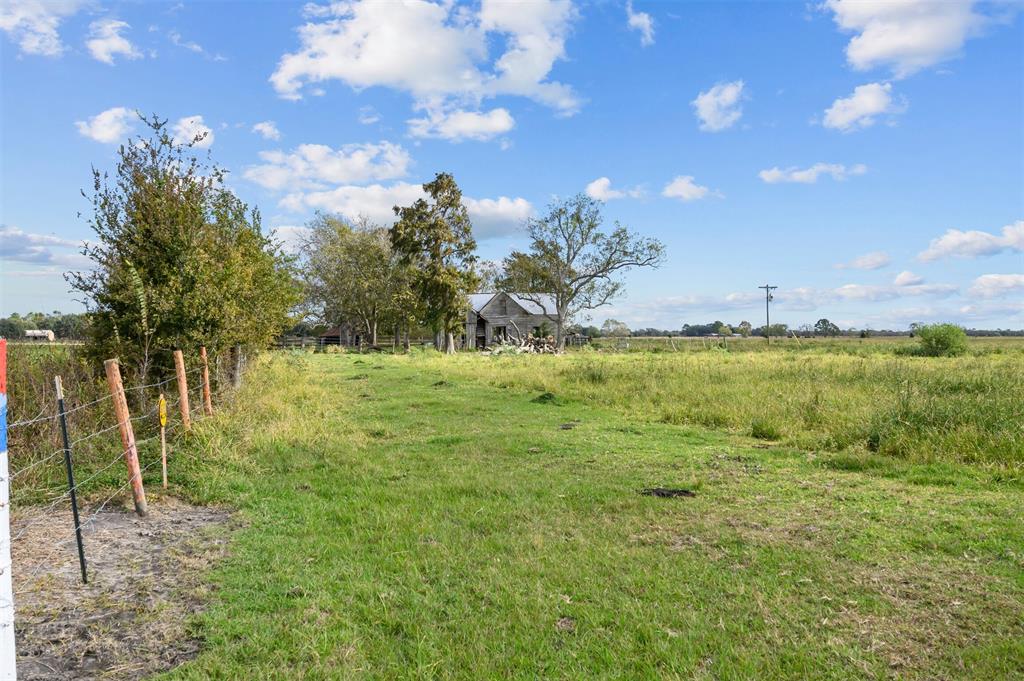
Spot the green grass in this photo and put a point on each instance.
(812, 396)
(422, 517)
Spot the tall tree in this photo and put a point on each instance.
(179, 261)
(823, 327)
(614, 328)
(572, 264)
(353, 274)
(435, 237)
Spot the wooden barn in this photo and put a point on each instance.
(493, 317)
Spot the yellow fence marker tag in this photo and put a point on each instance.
(163, 411)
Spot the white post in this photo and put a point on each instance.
(7, 656)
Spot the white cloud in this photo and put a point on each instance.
(995, 285)
(461, 125)
(313, 166)
(810, 175)
(974, 243)
(438, 53)
(601, 189)
(112, 125)
(368, 115)
(880, 293)
(267, 129)
(719, 108)
(373, 201)
(105, 41)
(869, 261)
(908, 35)
(685, 189)
(1001, 310)
(491, 217)
(291, 237)
(862, 108)
(33, 24)
(18, 245)
(192, 46)
(642, 22)
(188, 128)
(797, 299)
(907, 278)
(497, 217)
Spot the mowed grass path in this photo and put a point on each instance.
(404, 523)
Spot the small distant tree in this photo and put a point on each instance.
(574, 262)
(774, 330)
(744, 329)
(614, 328)
(435, 237)
(823, 327)
(942, 340)
(723, 329)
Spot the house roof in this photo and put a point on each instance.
(479, 300)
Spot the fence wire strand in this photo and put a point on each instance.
(43, 512)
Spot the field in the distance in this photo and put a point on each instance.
(421, 516)
(863, 398)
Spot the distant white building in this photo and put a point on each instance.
(39, 335)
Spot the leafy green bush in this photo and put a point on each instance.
(942, 340)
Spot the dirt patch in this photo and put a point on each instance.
(145, 581)
(667, 492)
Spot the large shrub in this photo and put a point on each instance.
(942, 340)
(178, 260)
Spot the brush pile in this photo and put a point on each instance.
(529, 345)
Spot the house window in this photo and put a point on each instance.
(503, 306)
(535, 332)
(499, 333)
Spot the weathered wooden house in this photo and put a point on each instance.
(493, 317)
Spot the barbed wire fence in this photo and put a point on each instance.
(43, 484)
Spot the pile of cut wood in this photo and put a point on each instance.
(533, 345)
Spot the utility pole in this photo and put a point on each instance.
(767, 314)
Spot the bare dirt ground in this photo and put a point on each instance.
(145, 581)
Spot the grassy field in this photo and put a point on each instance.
(423, 517)
(863, 399)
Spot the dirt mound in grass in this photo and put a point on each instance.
(145, 580)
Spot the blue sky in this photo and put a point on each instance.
(867, 158)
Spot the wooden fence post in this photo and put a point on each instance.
(162, 412)
(124, 422)
(179, 368)
(207, 401)
(7, 653)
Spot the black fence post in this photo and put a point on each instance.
(71, 475)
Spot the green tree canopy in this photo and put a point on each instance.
(435, 237)
(824, 327)
(613, 327)
(574, 262)
(179, 260)
(352, 273)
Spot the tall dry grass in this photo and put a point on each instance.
(960, 410)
